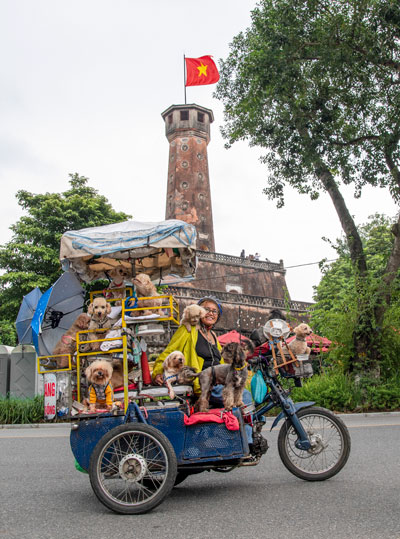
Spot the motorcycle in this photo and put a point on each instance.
(134, 466)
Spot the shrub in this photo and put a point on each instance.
(21, 411)
(344, 393)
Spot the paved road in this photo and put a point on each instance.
(43, 496)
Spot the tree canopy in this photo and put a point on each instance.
(315, 83)
(31, 257)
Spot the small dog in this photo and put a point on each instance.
(118, 275)
(232, 375)
(67, 343)
(299, 345)
(98, 310)
(99, 375)
(172, 365)
(191, 316)
(145, 288)
(117, 379)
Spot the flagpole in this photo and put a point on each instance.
(184, 76)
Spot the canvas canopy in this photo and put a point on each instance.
(164, 250)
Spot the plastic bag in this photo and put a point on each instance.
(258, 387)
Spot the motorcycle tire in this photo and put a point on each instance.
(330, 445)
(133, 468)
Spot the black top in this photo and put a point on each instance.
(209, 352)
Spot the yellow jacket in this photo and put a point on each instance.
(184, 341)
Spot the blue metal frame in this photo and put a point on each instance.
(194, 444)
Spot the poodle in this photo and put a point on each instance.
(298, 345)
(146, 289)
(99, 375)
(232, 375)
(192, 315)
(98, 310)
(67, 343)
(116, 288)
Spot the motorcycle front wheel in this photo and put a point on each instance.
(330, 445)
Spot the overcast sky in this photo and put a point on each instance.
(83, 84)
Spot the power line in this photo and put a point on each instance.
(310, 263)
(256, 271)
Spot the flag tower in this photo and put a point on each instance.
(187, 128)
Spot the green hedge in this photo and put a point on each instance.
(343, 393)
(21, 411)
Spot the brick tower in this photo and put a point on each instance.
(187, 128)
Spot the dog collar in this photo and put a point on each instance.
(240, 368)
(300, 339)
(172, 376)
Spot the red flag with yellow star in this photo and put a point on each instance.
(201, 71)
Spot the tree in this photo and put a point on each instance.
(316, 84)
(31, 257)
(335, 311)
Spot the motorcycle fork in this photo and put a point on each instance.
(289, 411)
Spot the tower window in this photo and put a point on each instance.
(200, 117)
(170, 118)
(184, 115)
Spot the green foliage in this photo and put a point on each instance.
(7, 333)
(31, 257)
(21, 411)
(335, 313)
(315, 82)
(343, 393)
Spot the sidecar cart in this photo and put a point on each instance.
(134, 460)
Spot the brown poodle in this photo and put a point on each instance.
(116, 288)
(144, 289)
(98, 310)
(192, 315)
(99, 375)
(299, 345)
(172, 365)
(67, 343)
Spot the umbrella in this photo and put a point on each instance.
(25, 315)
(56, 311)
(315, 342)
(231, 336)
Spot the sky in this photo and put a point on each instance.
(83, 84)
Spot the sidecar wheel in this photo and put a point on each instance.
(330, 441)
(132, 468)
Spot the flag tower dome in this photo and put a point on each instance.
(187, 128)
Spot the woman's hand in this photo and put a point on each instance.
(158, 380)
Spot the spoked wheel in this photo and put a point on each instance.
(133, 468)
(330, 445)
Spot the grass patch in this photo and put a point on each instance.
(14, 411)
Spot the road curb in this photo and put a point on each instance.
(68, 423)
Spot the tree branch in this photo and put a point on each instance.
(391, 271)
(348, 225)
(394, 171)
(355, 140)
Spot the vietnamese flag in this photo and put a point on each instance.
(201, 71)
